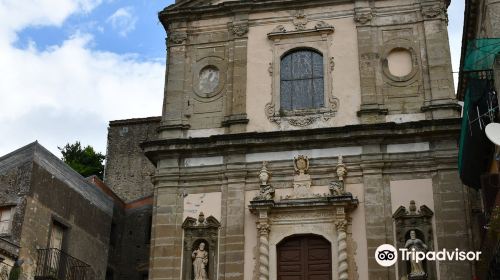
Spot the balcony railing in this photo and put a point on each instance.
(54, 264)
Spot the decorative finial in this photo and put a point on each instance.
(264, 175)
(413, 207)
(201, 218)
(266, 191)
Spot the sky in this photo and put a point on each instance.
(68, 67)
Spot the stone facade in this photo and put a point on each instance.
(389, 117)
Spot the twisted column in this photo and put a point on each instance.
(263, 229)
(342, 249)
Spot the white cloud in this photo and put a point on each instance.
(68, 92)
(123, 20)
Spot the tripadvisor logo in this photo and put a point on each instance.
(387, 255)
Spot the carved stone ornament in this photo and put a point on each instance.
(238, 29)
(363, 17)
(321, 24)
(306, 119)
(302, 121)
(177, 37)
(197, 232)
(341, 225)
(337, 187)
(299, 20)
(433, 11)
(332, 63)
(263, 228)
(279, 29)
(266, 191)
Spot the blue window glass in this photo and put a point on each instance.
(301, 80)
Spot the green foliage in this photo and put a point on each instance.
(15, 273)
(85, 161)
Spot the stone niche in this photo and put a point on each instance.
(419, 221)
(197, 231)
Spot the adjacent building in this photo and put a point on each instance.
(479, 84)
(54, 221)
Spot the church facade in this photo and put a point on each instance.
(299, 136)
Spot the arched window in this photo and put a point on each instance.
(301, 80)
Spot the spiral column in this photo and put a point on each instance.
(342, 249)
(263, 229)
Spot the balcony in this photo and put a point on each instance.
(54, 264)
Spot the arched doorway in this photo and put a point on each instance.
(304, 257)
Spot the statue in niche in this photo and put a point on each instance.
(266, 191)
(337, 187)
(417, 268)
(200, 261)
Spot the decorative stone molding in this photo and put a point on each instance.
(279, 29)
(415, 65)
(322, 25)
(319, 39)
(219, 67)
(197, 231)
(177, 38)
(332, 63)
(433, 11)
(363, 18)
(239, 29)
(299, 20)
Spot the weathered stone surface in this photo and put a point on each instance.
(128, 173)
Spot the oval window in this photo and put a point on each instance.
(399, 62)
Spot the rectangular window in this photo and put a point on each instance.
(6, 220)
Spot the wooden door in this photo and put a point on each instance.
(304, 257)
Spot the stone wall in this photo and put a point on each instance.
(134, 228)
(128, 172)
(87, 227)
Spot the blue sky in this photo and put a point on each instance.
(70, 66)
(119, 26)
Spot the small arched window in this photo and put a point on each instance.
(301, 80)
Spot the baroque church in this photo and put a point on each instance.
(296, 138)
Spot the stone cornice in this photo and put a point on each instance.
(305, 139)
(185, 12)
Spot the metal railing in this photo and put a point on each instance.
(54, 264)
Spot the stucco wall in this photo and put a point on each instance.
(345, 74)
